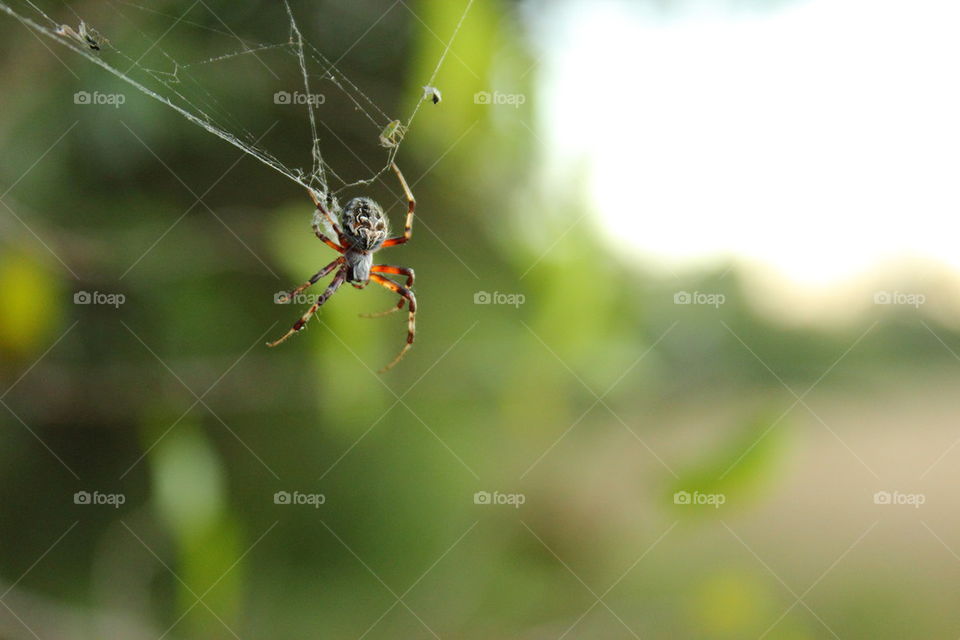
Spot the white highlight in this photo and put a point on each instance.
(821, 139)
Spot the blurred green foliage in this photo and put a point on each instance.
(596, 398)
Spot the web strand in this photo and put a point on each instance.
(179, 87)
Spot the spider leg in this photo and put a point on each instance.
(333, 222)
(412, 319)
(411, 206)
(400, 271)
(299, 324)
(330, 243)
(312, 281)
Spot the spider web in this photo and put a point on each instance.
(199, 80)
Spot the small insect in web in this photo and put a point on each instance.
(84, 35)
(362, 231)
(392, 134)
(433, 94)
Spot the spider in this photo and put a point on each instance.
(362, 231)
(392, 134)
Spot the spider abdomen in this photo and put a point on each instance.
(364, 224)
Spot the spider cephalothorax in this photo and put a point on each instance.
(364, 231)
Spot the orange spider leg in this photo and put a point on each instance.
(412, 319)
(312, 281)
(333, 223)
(411, 206)
(334, 285)
(400, 271)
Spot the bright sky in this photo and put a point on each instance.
(820, 139)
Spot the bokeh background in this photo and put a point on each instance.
(688, 319)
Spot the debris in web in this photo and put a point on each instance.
(84, 35)
(280, 64)
(433, 94)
